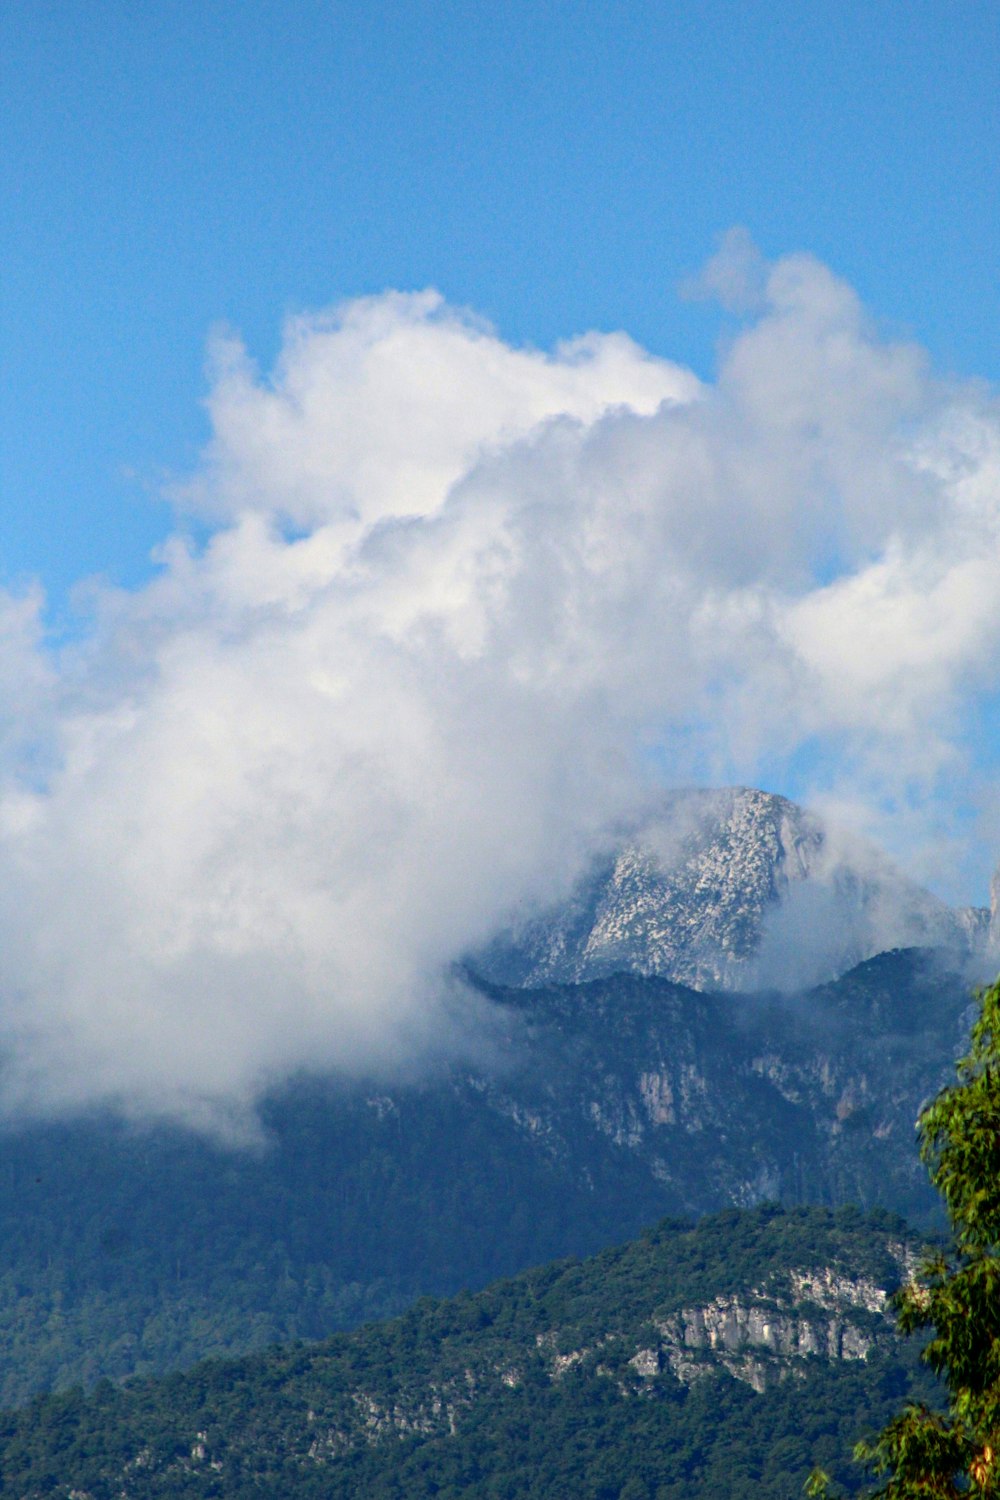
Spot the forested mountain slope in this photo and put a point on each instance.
(725, 1358)
(134, 1250)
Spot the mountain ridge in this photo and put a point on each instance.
(732, 889)
(128, 1250)
(551, 1375)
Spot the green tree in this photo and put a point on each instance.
(954, 1453)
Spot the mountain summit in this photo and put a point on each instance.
(731, 889)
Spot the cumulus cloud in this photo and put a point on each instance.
(735, 276)
(461, 608)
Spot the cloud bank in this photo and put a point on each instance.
(461, 607)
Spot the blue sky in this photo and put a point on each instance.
(557, 167)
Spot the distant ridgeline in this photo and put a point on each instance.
(126, 1250)
(722, 1359)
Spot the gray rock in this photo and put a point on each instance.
(734, 890)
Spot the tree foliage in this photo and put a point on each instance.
(956, 1452)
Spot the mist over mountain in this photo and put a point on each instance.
(691, 1029)
(351, 948)
(129, 1249)
(733, 889)
(433, 615)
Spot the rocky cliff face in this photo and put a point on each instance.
(732, 889)
(730, 1099)
(760, 1336)
(771, 1332)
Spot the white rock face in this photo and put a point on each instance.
(828, 1289)
(993, 929)
(761, 1337)
(732, 889)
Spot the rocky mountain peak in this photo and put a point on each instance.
(729, 889)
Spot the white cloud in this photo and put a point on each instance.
(378, 408)
(455, 594)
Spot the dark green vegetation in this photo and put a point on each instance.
(954, 1453)
(127, 1250)
(721, 1359)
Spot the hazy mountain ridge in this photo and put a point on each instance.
(736, 1099)
(656, 1336)
(127, 1250)
(130, 1249)
(731, 889)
